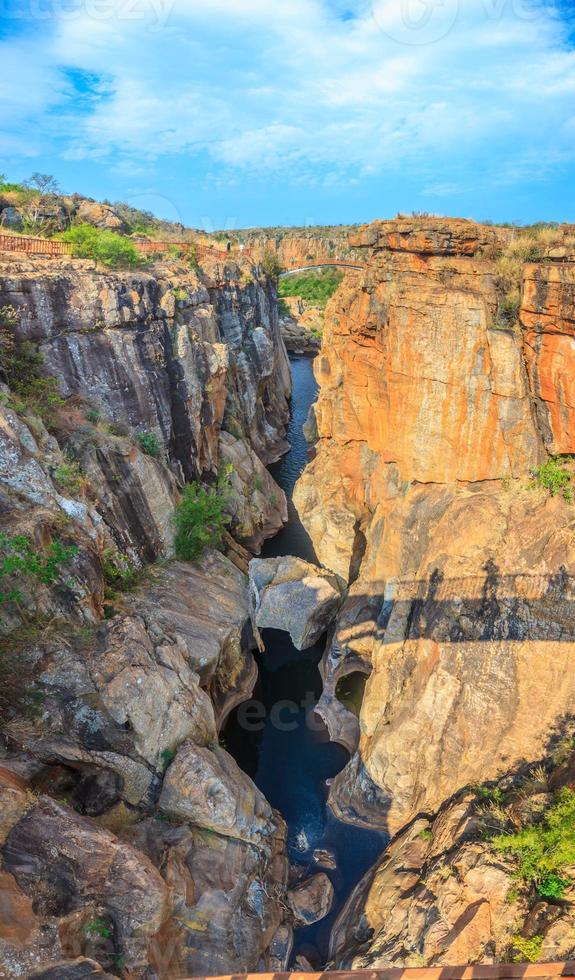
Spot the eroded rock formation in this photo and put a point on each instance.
(435, 408)
(129, 837)
(290, 594)
(442, 894)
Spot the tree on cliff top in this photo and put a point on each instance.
(106, 247)
(270, 263)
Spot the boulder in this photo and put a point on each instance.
(290, 594)
(281, 948)
(152, 691)
(312, 900)
(227, 898)
(67, 863)
(205, 787)
(101, 216)
(11, 218)
(256, 504)
(325, 859)
(79, 969)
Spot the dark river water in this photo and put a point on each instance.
(288, 754)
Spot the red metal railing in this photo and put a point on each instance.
(479, 971)
(33, 246)
(45, 246)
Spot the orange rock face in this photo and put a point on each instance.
(432, 414)
(302, 249)
(419, 381)
(548, 320)
(430, 236)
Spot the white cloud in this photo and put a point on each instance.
(269, 86)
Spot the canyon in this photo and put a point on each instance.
(143, 831)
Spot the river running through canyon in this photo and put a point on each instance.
(288, 754)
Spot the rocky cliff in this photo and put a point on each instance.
(128, 835)
(445, 375)
(447, 893)
(299, 247)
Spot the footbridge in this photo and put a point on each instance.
(30, 245)
(337, 263)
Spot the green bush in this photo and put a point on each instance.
(314, 287)
(98, 927)
(149, 444)
(106, 247)
(21, 362)
(6, 187)
(192, 257)
(69, 478)
(199, 520)
(21, 561)
(118, 571)
(554, 477)
(167, 756)
(527, 949)
(545, 850)
(508, 310)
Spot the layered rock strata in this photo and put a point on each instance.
(129, 838)
(443, 894)
(435, 409)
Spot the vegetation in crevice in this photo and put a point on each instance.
(23, 565)
(21, 561)
(21, 363)
(556, 476)
(545, 850)
(527, 949)
(200, 518)
(69, 478)
(120, 575)
(149, 444)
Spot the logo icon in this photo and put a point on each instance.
(413, 22)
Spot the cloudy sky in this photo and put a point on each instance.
(227, 113)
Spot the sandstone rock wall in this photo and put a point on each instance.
(433, 412)
(301, 247)
(127, 832)
(167, 354)
(443, 895)
(129, 837)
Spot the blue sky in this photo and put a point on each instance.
(228, 113)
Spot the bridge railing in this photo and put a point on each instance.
(34, 246)
(50, 246)
(479, 971)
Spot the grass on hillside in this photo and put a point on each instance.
(313, 287)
